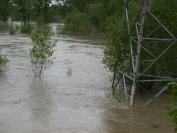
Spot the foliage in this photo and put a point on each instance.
(27, 10)
(24, 8)
(173, 110)
(13, 29)
(3, 62)
(39, 21)
(96, 13)
(80, 5)
(116, 53)
(26, 28)
(41, 8)
(57, 13)
(4, 9)
(42, 51)
(86, 17)
(116, 49)
(165, 65)
(77, 22)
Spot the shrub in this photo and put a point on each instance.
(77, 22)
(3, 62)
(26, 28)
(13, 29)
(42, 51)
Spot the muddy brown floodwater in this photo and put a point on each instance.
(62, 103)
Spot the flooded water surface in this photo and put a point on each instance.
(68, 103)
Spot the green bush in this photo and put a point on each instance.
(42, 51)
(3, 62)
(76, 23)
(13, 29)
(26, 28)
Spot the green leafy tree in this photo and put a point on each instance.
(57, 13)
(24, 8)
(97, 15)
(79, 4)
(77, 22)
(41, 9)
(117, 50)
(5, 9)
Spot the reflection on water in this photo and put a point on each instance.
(61, 103)
(40, 102)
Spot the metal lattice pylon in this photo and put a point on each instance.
(141, 39)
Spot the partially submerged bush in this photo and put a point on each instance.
(26, 28)
(42, 51)
(13, 29)
(3, 62)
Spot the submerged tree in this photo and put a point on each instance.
(42, 51)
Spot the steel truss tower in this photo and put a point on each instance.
(139, 44)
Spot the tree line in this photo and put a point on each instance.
(103, 17)
(83, 16)
(31, 10)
